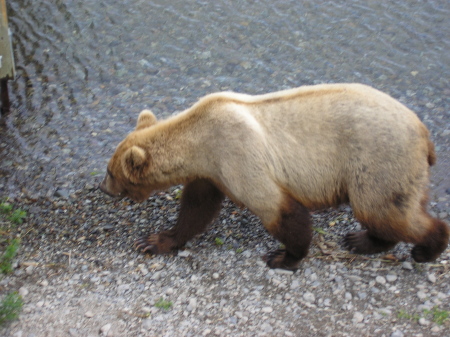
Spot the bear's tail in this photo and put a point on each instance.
(431, 153)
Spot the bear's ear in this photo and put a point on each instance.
(146, 118)
(135, 163)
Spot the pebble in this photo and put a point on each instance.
(23, 292)
(309, 297)
(357, 317)
(421, 295)
(397, 333)
(380, 280)
(89, 314)
(192, 304)
(407, 265)
(431, 277)
(391, 277)
(424, 322)
(147, 324)
(73, 332)
(105, 329)
(267, 310)
(283, 272)
(184, 253)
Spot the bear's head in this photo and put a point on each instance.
(130, 165)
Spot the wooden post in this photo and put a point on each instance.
(7, 70)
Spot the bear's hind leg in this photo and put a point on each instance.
(293, 229)
(200, 203)
(365, 243)
(433, 244)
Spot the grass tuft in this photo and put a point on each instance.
(10, 307)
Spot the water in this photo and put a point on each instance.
(86, 69)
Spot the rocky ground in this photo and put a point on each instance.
(79, 275)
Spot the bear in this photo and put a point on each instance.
(282, 155)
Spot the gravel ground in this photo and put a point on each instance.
(80, 276)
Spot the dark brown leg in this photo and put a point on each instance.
(433, 244)
(200, 203)
(4, 97)
(294, 231)
(364, 243)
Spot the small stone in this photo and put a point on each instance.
(424, 322)
(431, 278)
(295, 284)
(309, 297)
(421, 295)
(407, 265)
(40, 304)
(267, 310)
(23, 292)
(397, 333)
(357, 317)
(44, 283)
(348, 296)
(105, 329)
(266, 328)
(147, 324)
(391, 277)
(89, 314)
(143, 269)
(435, 329)
(184, 253)
(362, 295)
(192, 304)
(62, 193)
(215, 276)
(283, 271)
(380, 280)
(29, 270)
(206, 332)
(73, 332)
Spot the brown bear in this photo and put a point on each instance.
(281, 155)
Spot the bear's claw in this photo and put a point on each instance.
(280, 258)
(147, 244)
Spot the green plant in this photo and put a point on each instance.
(439, 316)
(8, 256)
(218, 241)
(5, 208)
(163, 304)
(239, 250)
(94, 173)
(10, 307)
(17, 216)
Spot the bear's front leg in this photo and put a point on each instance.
(200, 203)
(293, 229)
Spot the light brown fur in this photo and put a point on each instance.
(319, 145)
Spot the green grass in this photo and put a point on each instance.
(403, 314)
(16, 216)
(218, 241)
(438, 316)
(163, 304)
(10, 307)
(5, 208)
(8, 256)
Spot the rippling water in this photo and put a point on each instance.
(86, 69)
